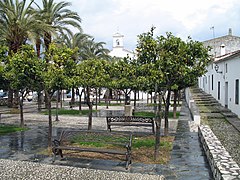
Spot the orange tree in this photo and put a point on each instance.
(23, 71)
(170, 63)
(55, 75)
(92, 73)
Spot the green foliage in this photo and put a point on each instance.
(3, 59)
(169, 61)
(19, 23)
(23, 69)
(92, 73)
(123, 74)
(5, 129)
(59, 70)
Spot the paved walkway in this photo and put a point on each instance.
(188, 160)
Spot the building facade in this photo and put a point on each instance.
(118, 47)
(230, 42)
(223, 75)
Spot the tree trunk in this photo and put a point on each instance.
(16, 99)
(80, 100)
(158, 119)
(175, 104)
(99, 95)
(10, 98)
(38, 47)
(61, 98)
(147, 99)
(49, 119)
(21, 111)
(166, 126)
(39, 100)
(47, 41)
(179, 96)
(57, 104)
(73, 97)
(151, 98)
(135, 99)
(89, 103)
(96, 100)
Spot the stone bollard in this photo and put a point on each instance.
(128, 110)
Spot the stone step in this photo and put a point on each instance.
(222, 109)
(208, 105)
(206, 102)
(213, 115)
(208, 110)
(204, 98)
(229, 114)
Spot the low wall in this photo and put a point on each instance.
(192, 107)
(221, 163)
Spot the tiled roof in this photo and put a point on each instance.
(227, 56)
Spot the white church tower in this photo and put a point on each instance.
(118, 40)
(118, 48)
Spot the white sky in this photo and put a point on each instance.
(102, 18)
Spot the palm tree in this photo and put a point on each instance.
(18, 24)
(59, 18)
(94, 50)
(79, 41)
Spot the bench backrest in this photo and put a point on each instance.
(129, 119)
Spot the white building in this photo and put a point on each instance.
(118, 47)
(222, 77)
(222, 80)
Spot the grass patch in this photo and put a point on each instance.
(70, 112)
(111, 104)
(171, 105)
(151, 114)
(5, 129)
(170, 114)
(144, 114)
(142, 148)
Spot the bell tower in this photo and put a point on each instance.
(118, 40)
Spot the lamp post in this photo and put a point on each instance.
(217, 69)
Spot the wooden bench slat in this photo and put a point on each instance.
(126, 143)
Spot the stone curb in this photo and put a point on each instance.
(220, 161)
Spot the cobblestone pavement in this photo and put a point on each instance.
(25, 146)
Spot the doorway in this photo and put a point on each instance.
(226, 94)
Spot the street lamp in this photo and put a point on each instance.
(217, 69)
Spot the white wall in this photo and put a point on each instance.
(120, 52)
(230, 72)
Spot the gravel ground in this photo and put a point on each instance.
(228, 136)
(28, 170)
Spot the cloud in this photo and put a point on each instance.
(183, 18)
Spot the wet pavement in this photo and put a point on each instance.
(187, 159)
